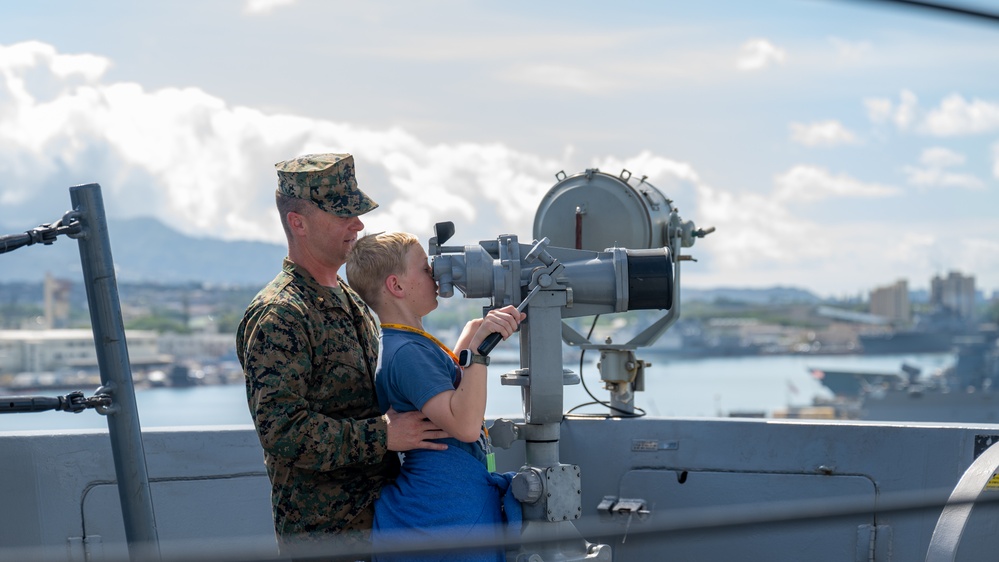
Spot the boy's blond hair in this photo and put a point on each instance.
(375, 257)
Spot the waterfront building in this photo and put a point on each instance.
(56, 300)
(892, 302)
(204, 347)
(37, 351)
(955, 293)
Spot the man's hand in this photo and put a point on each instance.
(412, 430)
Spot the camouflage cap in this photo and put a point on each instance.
(327, 180)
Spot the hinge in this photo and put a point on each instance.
(85, 549)
(874, 543)
(624, 510)
(75, 550)
(94, 547)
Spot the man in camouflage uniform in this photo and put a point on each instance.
(308, 346)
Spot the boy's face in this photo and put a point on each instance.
(419, 281)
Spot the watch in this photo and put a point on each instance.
(466, 357)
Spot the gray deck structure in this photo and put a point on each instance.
(684, 489)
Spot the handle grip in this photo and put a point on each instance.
(494, 338)
(489, 343)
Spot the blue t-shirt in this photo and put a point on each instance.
(411, 370)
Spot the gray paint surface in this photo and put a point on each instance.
(210, 492)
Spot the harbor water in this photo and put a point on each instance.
(707, 387)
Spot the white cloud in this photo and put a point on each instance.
(484, 189)
(935, 177)
(64, 70)
(204, 166)
(821, 133)
(657, 168)
(265, 6)
(754, 232)
(27, 54)
(905, 113)
(977, 252)
(995, 160)
(811, 183)
(757, 54)
(90, 67)
(759, 239)
(879, 110)
(940, 157)
(953, 117)
(933, 174)
(966, 245)
(902, 115)
(957, 116)
(969, 246)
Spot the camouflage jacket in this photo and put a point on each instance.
(309, 362)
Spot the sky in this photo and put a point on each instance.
(834, 145)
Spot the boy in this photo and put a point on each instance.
(437, 492)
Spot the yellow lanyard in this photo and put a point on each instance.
(406, 328)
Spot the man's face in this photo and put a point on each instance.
(418, 280)
(332, 237)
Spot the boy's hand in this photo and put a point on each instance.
(503, 321)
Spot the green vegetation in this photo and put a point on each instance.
(16, 315)
(228, 322)
(160, 321)
(787, 315)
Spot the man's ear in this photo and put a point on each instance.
(296, 222)
(394, 287)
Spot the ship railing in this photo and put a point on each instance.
(115, 398)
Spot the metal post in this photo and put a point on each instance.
(116, 374)
(549, 491)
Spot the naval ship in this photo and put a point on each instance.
(962, 392)
(619, 485)
(936, 332)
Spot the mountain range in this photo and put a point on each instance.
(146, 250)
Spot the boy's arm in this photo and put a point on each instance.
(467, 333)
(460, 411)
